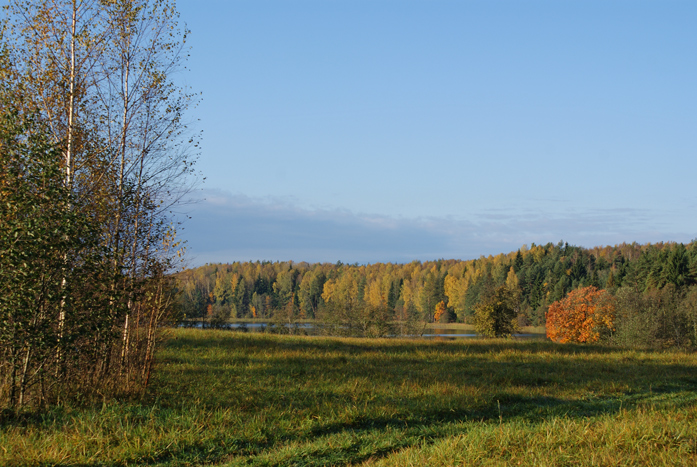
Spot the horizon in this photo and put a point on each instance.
(522, 248)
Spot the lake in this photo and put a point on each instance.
(431, 332)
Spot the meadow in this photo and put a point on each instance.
(227, 398)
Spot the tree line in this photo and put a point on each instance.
(95, 154)
(445, 290)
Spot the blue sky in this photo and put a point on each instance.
(394, 130)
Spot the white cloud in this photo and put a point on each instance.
(226, 227)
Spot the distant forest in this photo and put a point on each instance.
(537, 276)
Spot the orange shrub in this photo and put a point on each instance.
(581, 316)
(440, 311)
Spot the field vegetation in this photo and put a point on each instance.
(226, 398)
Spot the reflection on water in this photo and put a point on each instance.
(314, 328)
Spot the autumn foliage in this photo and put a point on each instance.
(581, 316)
(495, 316)
(441, 309)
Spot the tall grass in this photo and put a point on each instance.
(255, 399)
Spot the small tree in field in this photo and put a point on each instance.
(582, 316)
(495, 316)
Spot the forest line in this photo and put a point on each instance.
(655, 285)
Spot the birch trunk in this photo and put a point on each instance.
(68, 160)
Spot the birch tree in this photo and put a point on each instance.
(99, 75)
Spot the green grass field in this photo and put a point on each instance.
(226, 398)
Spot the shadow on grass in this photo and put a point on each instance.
(366, 434)
(397, 396)
(562, 380)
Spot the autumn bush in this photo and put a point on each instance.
(495, 316)
(441, 313)
(582, 316)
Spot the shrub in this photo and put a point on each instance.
(441, 313)
(582, 316)
(495, 316)
(665, 317)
